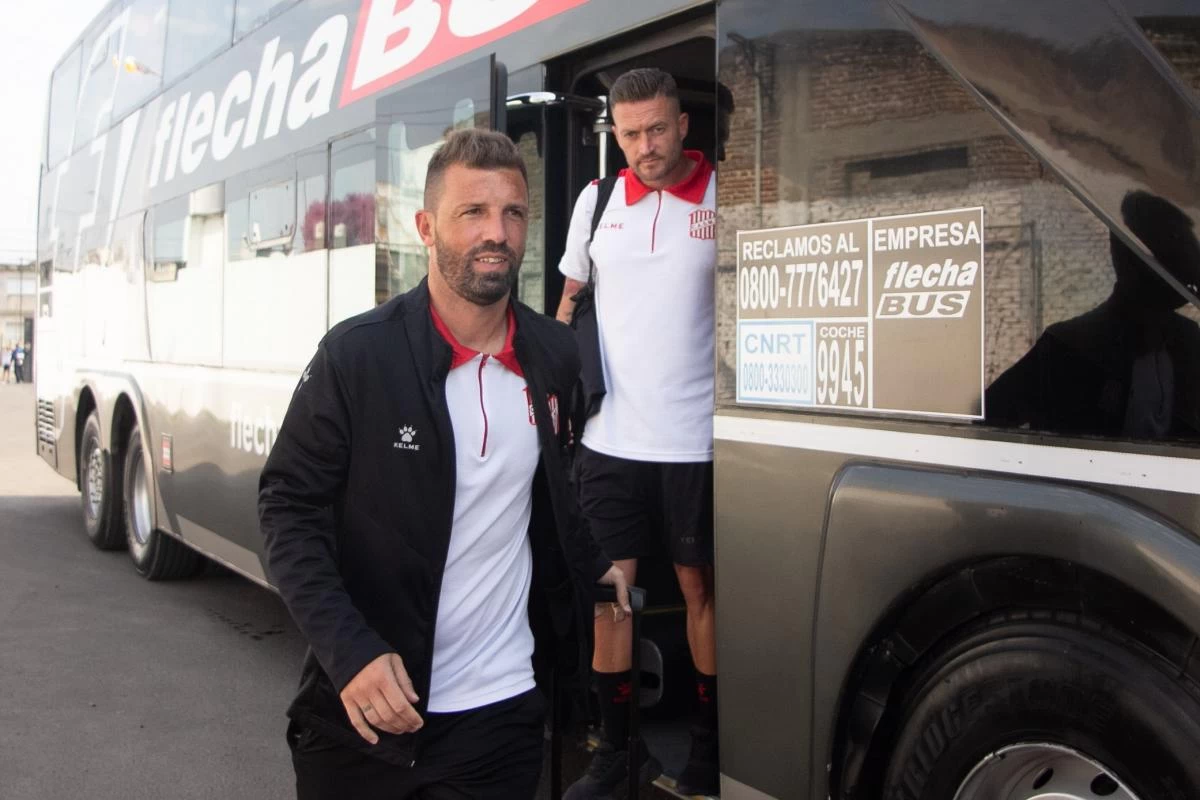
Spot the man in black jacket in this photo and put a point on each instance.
(418, 520)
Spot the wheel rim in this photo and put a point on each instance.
(1041, 771)
(94, 480)
(139, 505)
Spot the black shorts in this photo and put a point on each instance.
(635, 508)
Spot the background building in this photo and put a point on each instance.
(18, 302)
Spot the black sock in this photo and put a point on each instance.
(706, 701)
(615, 690)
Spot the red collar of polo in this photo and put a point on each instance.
(691, 188)
(462, 354)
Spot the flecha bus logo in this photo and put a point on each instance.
(395, 41)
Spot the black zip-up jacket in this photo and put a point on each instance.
(357, 526)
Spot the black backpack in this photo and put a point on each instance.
(587, 328)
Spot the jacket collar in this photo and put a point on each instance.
(461, 354)
(691, 189)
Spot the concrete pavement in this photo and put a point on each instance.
(112, 687)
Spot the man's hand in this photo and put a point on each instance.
(616, 578)
(382, 696)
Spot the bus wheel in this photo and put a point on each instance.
(1054, 707)
(156, 555)
(98, 489)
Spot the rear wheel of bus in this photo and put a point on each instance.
(156, 556)
(99, 486)
(1055, 706)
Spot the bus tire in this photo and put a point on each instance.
(1052, 703)
(156, 556)
(98, 489)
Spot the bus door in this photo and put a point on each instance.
(410, 125)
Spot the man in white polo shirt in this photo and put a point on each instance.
(418, 520)
(646, 462)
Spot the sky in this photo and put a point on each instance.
(34, 36)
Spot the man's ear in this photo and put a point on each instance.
(683, 125)
(425, 227)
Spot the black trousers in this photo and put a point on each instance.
(488, 753)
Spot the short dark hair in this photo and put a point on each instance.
(641, 84)
(474, 148)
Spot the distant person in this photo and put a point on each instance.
(18, 362)
(418, 517)
(1129, 368)
(6, 363)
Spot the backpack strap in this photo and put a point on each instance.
(604, 190)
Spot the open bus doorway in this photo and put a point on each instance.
(686, 49)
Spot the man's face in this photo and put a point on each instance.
(476, 234)
(650, 134)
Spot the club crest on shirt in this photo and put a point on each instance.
(551, 401)
(702, 224)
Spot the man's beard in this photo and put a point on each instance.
(458, 270)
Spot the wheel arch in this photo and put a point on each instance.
(85, 404)
(963, 546)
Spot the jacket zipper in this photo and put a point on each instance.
(654, 225)
(482, 407)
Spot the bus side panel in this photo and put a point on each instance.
(892, 528)
(770, 510)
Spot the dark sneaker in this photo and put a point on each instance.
(607, 776)
(702, 775)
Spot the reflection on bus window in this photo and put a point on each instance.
(1128, 368)
(64, 94)
(401, 196)
(140, 68)
(99, 78)
(252, 13)
(352, 195)
(310, 202)
(531, 281)
(171, 223)
(195, 31)
(845, 120)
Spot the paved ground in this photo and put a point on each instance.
(114, 688)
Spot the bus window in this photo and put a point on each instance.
(140, 70)
(310, 202)
(99, 79)
(252, 13)
(352, 210)
(195, 31)
(171, 222)
(64, 93)
(532, 279)
(260, 211)
(351, 226)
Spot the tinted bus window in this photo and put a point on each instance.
(1173, 27)
(352, 196)
(196, 31)
(64, 93)
(252, 13)
(844, 115)
(141, 68)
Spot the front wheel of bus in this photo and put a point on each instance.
(98, 489)
(156, 556)
(1026, 709)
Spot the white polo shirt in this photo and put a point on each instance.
(655, 254)
(483, 645)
